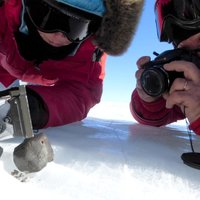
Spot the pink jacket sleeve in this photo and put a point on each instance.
(195, 126)
(154, 113)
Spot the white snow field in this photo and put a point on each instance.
(107, 156)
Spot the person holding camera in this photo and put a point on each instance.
(59, 48)
(168, 88)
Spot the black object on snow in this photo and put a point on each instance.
(191, 159)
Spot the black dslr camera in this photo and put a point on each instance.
(155, 80)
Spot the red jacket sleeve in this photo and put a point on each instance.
(195, 126)
(154, 113)
(68, 102)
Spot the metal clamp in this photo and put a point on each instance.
(19, 111)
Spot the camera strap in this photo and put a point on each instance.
(191, 159)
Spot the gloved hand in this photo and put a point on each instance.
(6, 128)
(38, 109)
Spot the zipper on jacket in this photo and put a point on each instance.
(96, 57)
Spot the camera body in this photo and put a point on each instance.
(155, 80)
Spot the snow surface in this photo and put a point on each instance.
(107, 156)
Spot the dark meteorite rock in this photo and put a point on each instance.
(33, 154)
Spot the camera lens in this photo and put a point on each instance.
(154, 81)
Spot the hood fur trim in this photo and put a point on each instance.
(118, 25)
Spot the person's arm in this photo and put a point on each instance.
(65, 103)
(71, 98)
(153, 113)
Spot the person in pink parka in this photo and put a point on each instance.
(59, 48)
(178, 22)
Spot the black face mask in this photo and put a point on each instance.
(50, 16)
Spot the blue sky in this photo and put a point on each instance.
(120, 71)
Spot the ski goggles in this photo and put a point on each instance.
(177, 20)
(50, 16)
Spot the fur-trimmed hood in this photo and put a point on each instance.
(119, 22)
(118, 25)
(120, 19)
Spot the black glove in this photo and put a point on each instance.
(38, 109)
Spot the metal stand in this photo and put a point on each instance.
(35, 151)
(19, 114)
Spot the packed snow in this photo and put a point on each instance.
(107, 156)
